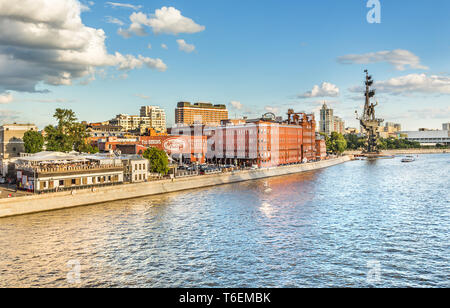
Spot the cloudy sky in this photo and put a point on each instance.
(102, 58)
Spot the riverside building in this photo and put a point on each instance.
(264, 142)
(54, 171)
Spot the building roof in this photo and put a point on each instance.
(52, 156)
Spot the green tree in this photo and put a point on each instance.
(354, 142)
(68, 135)
(159, 163)
(33, 141)
(57, 141)
(336, 143)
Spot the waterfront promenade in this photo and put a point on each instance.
(67, 199)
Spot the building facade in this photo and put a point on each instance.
(264, 142)
(329, 123)
(131, 122)
(427, 137)
(200, 113)
(390, 130)
(54, 171)
(157, 117)
(11, 139)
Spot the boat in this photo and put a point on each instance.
(408, 159)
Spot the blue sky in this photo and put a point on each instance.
(266, 55)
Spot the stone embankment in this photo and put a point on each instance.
(67, 199)
(405, 152)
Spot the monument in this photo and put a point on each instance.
(368, 120)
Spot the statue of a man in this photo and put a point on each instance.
(371, 111)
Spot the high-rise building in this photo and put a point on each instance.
(329, 123)
(157, 117)
(204, 113)
(11, 139)
(339, 125)
(326, 121)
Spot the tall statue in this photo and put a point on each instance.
(368, 121)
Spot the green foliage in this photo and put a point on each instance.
(394, 144)
(68, 135)
(57, 141)
(158, 160)
(354, 142)
(33, 141)
(336, 143)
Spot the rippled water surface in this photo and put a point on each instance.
(382, 223)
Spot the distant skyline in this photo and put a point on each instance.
(102, 58)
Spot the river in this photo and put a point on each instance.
(376, 223)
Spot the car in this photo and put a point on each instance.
(2, 181)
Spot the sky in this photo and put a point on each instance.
(103, 58)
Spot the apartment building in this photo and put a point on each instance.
(131, 122)
(157, 117)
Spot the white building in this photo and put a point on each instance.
(131, 122)
(428, 137)
(446, 126)
(55, 171)
(157, 117)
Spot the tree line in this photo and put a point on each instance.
(68, 135)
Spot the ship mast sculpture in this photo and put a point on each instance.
(368, 121)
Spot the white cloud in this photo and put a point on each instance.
(236, 105)
(167, 20)
(412, 83)
(142, 96)
(124, 5)
(398, 58)
(326, 89)
(183, 46)
(113, 20)
(6, 98)
(124, 33)
(164, 46)
(47, 42)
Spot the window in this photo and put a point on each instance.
(74, 181)
(61, 182)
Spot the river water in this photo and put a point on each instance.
(359, 224)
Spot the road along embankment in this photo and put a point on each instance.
(67, 199)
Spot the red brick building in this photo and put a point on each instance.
(265, 142)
